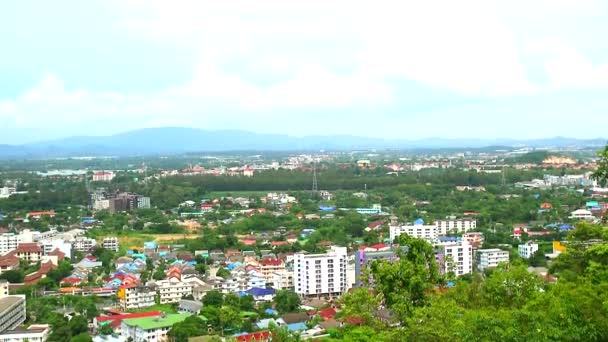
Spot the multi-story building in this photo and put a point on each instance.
(455, 225)
(455, 256)
(488, 258)
(9, 242)
(103, 176)
(527, 249)
(364, 258)
(126, 201)
(475, 239)
(282, 280)
(111, 243)
(34, 333)
(50, 245)
(6, 192)
(136, 297)
(172, 290)
(417, 230)
(320, 274)
(83, 244)
(269, 266)
(12, 309)
(143, 202)
(148, 329)
(29, 251)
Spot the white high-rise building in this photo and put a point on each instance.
(320, 274)
(488, 258)
(456, 256)
(9, 242)
(417, 230)
(527, 249)
(455, 225)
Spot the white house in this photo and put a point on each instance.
(582, 214)
(527, 249)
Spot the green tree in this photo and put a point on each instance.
(78, 325)
(106, 329)
(286, 301)
(84, 337)
(213, 298)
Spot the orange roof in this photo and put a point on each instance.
(28, 247)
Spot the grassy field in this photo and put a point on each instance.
(136, 241)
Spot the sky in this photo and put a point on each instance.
(394, 69)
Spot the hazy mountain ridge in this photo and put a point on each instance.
(169, 140)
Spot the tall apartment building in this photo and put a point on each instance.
(127, 201)
(111, 243)
(136, 297)
(488, 258)
(320, 274)
(12, 309)
(527, 249)
(455, 256)
(455, 225)
(9, 242)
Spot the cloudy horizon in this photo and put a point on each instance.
(389, 69)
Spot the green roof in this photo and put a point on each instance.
(149, 323)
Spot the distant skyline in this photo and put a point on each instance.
(389, 69)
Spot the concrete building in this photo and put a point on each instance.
(148, 329)
(488, 258)
(111, 243)
(527, 249)
(172, 290)
(320, 274)
(136, 297)
(455, 256)
(34, 333)
(9, 242)
(269, 266)
(363, 258)
(582, 214)
(417, 230)
(475, 239)
(455, 225)
(83, 244)
(29, 251)
(103, 176)
(12, 309)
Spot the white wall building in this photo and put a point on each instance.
(83, 244)
(582, 214)
(103, 176)
(173, 290)
(136, 297)
(488, 258)
(111, 243)
(527, 249)
(455, 225)
(417, 230)
(457, 257)
(9, 242)
(6, 192)
(12, 309)
(320, 274)
(50, 245)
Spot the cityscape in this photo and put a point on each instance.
(268, 171)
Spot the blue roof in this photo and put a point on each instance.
(271, 311)
(150, 244)
(565, 227)
(297, 326)
(256, 291)
(449, 238)
(419, 221)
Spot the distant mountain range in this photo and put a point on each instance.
(173, 140)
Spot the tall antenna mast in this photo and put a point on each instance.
(315, 185)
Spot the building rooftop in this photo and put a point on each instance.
(9, 301)
(149, 323)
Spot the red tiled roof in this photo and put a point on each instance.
(326, 314)
(278, 243)
(41, 213)
(59, 254)
(375, 224)
(33, 278)
(256, 336)
(271, 262)
(71, 280)
(9, 260)
(28, 247)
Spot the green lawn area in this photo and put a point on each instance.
(168, 308)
